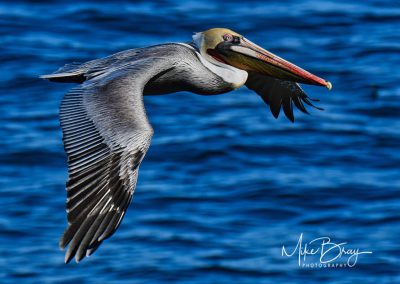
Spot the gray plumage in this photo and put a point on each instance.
(106, 132)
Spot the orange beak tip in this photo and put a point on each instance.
(328, 85)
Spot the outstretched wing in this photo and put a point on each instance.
(278, 93)
(106, 134)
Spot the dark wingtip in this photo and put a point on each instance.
(289, 115)
(62, 243)
(93, 247)
(287, 106)
(71, 252)
(307, 101)
(68, 257)
(275, 110)
(78, 258)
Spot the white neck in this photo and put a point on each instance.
(228, 73)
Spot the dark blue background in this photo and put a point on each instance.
(224, 184)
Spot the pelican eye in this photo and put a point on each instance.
(227, 37)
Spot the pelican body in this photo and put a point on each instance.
(106, 132)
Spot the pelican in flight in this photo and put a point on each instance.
(106, 132)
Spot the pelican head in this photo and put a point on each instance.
(225, 47)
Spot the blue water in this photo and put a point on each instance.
(224, 185)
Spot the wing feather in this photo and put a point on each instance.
(106, 135)
(279, 94)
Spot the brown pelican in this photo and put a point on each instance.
(106, 132)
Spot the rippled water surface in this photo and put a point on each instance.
(224, 185)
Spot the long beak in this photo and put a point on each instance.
(248, 56)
